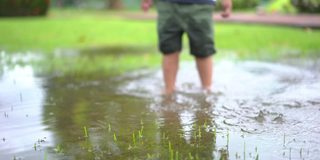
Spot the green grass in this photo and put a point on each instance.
(82, 29)
(274, 41)
(108, 34)
(73, 32)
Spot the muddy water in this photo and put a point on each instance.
(256, 109)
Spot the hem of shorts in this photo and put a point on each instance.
(204, 56)
(170, 52)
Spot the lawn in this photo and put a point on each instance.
(108, 33)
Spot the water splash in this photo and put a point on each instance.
(263, 100)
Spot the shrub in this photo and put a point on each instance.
(240, 4)
(307, 6)
(280, 6)
(23, 7)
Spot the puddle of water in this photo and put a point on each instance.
(21, 101)
(274, 106)
(256, 109)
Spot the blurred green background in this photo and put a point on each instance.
(118, 30)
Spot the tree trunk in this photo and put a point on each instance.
(115, 4)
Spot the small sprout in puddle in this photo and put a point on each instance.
(244, 150)
(35, 146)
(114, 137)
(45, 157)
(190, 156)
(21, 99)
(109, 127)
(134, 139)
(228, 138)
(284, 139)
(6, 115)
(238, 156)
(140, 133)
(85, 132)
(290, 153)
(58, 149)
(257, 157)
(171, 155)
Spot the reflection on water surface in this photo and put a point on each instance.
(256, 109)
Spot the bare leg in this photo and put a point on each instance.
(170, 65)
(205, 69)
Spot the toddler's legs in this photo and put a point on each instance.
(205, 67)
(170, 66)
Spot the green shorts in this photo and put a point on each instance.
(195, 20)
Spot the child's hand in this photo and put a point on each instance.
(145, 5)
(227, 8)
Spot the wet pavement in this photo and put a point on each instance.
(258, 109)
